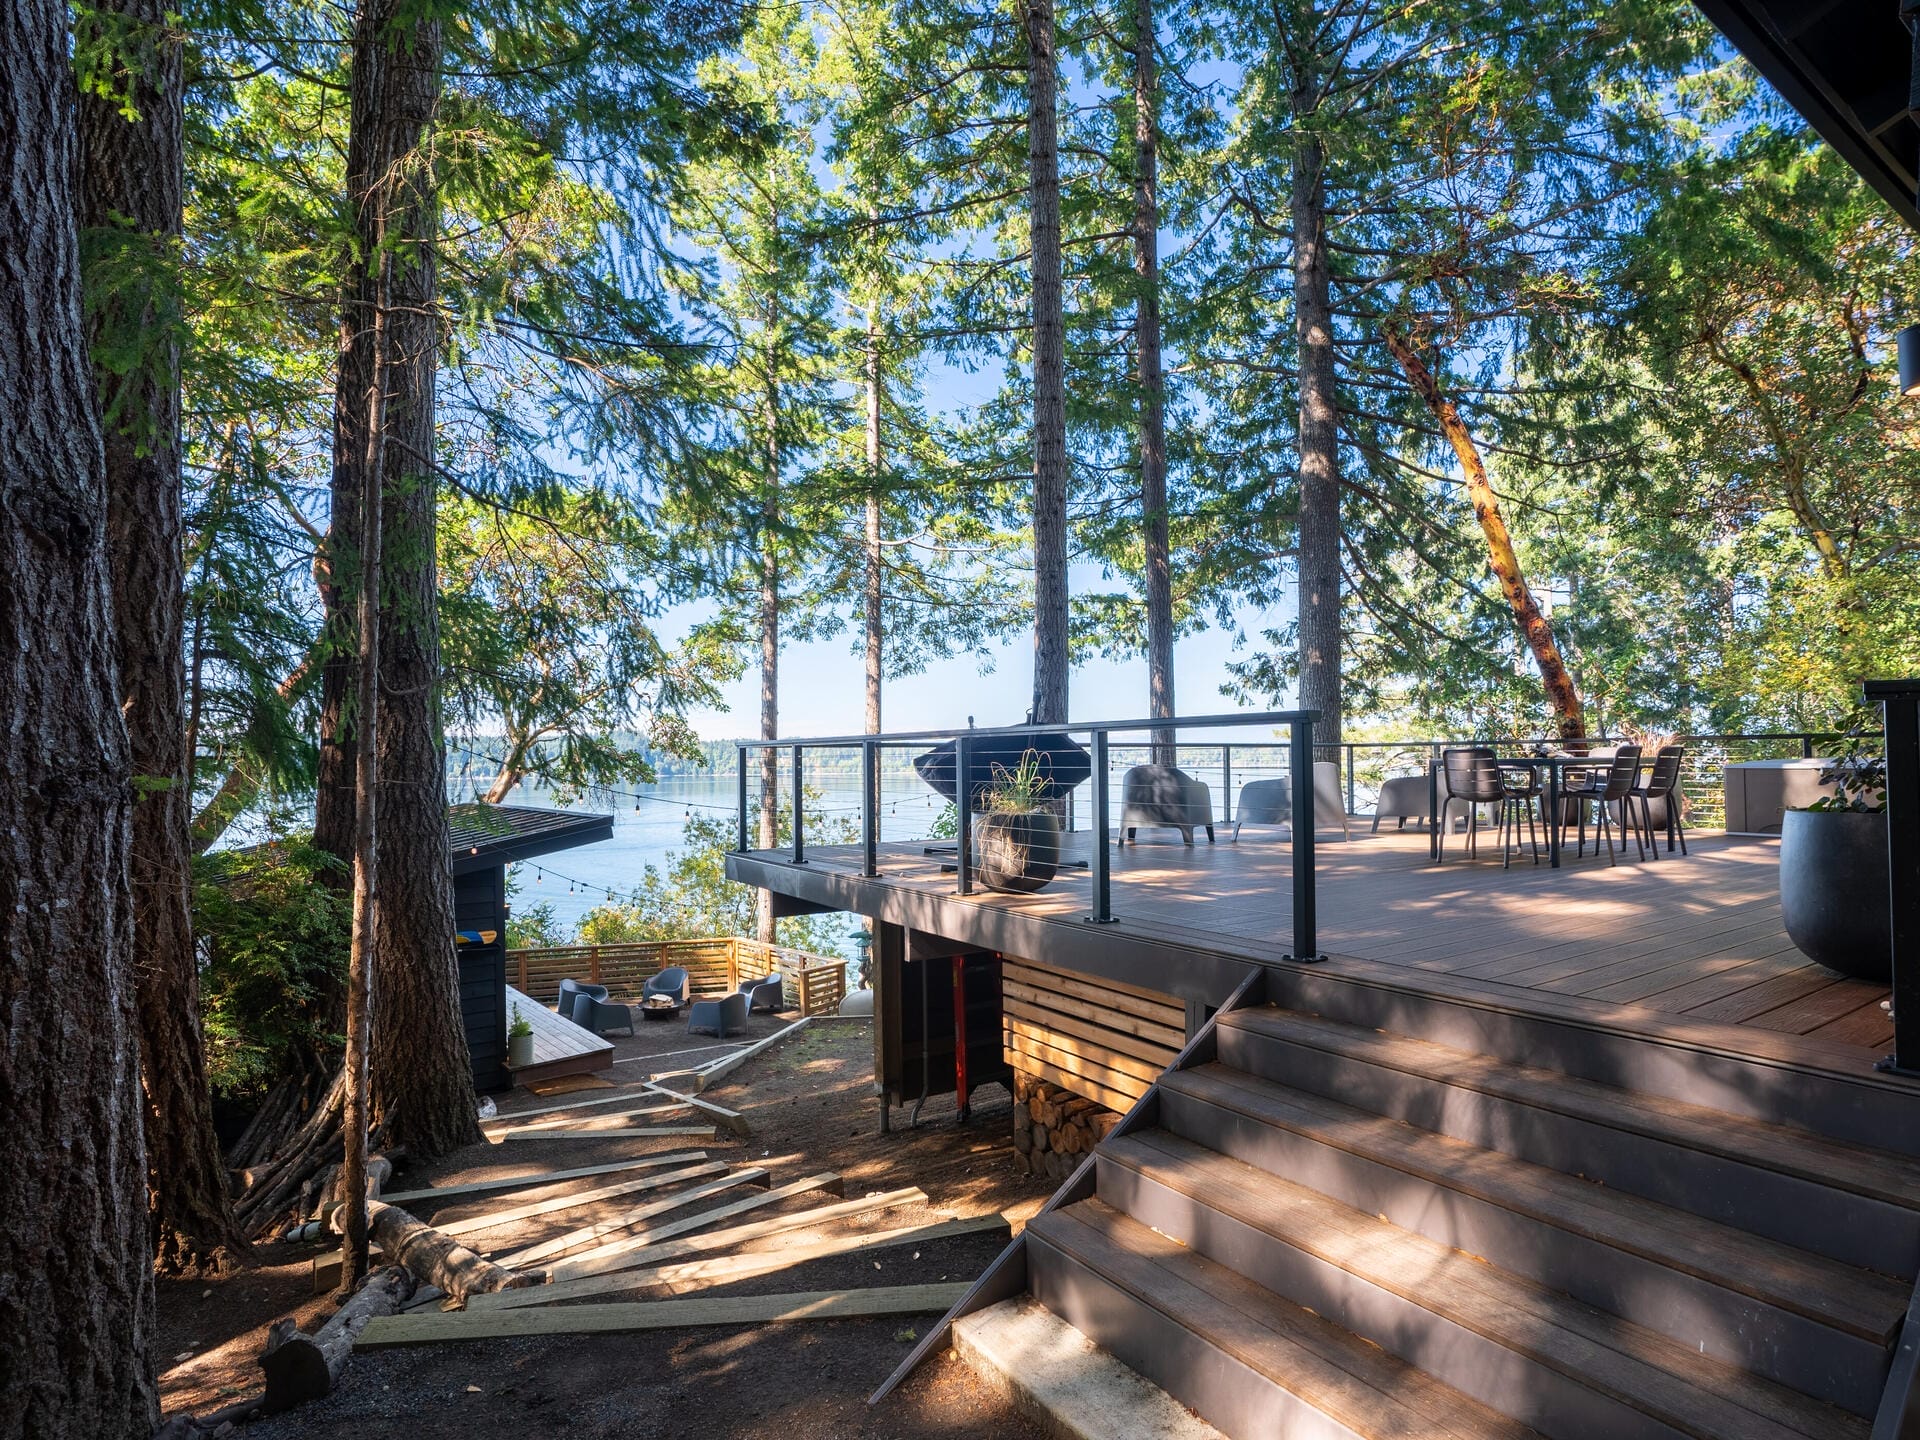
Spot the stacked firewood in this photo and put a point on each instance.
(1053, 1128)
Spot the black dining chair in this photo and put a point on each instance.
(1472, 775)
(1663, 784)
(1604, 790)
(1520, 793)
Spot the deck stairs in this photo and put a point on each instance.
(1313, 1227)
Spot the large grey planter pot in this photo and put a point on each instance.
(1017, 854)
(519, 1051)
(1834, 890)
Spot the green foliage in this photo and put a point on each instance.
(520, 1026)
(273, 928)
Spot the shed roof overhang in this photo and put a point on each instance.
(1848, 67)
(485, 837)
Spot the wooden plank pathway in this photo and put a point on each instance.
(1696, 936)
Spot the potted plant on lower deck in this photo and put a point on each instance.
(519, 1041)
(1834, 884)
(1016, 841)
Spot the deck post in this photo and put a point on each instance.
(1306, 944)
(1226, 785)
(742, 812)
(869, 808)
(1101, 856)
(963, 804)
(1900, 704)
(799, 810)
(1350, 793)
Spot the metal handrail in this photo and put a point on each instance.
(1298, 723)
(1899, 702)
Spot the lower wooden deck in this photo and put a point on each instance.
(560, 1047)
(1694, 939)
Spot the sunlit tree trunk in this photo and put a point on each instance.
(1050, 596)
(875, 576)
(76, 1280)
(132, 181)
(766, 928)
(1153, 421)
(1534, 626)
(1320, 633)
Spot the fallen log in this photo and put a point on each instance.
(434, 1258)
(299, 1367)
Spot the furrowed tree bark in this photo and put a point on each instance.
(421, 1072)
(1320, 633)
(1050, 595)
(766, 928)
(1153, 414)
(131, 187)
(76, 1304)
(1534, 626)
(875, 577)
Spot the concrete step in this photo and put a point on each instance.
(1067, 1386)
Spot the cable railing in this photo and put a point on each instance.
(969, 743)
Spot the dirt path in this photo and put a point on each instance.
(810, 1105)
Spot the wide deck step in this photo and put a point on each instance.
(1854, 1204)
(1256, 1366)
(1571, 1370)
(1796, 1317)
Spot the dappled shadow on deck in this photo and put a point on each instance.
(1697, 936)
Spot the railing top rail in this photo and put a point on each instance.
(1681, 736)
(914, 737)
(1882, 689)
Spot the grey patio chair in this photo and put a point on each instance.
(769, 994)
(1659, 797)
(592, 1013)
(1164, 795)
(666, 993)
(1470, 776)
(1402, 798)
(1607, 791)
(569, 989)
(725, 1016)
(1270, 802)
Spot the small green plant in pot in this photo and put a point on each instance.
(1016, 841)
(519, 1040)
(1835, 889)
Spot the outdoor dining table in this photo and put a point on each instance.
(1556, 767)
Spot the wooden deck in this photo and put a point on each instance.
(1680, 941)
(560, 1047)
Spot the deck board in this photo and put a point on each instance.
(560, 1047)
(1697, 936)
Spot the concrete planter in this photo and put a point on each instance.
(519, 1051)
(1834, 890)
(1016, 853)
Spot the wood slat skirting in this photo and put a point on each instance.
(1101, 1040)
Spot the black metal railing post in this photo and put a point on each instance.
(1306, 942)
(743, 847)
(1226, 784)
(870, 808)
(1350, 805)
(1806, 747)
(1101, 857)
(1900, 705)
(963, 803)
(799, 809)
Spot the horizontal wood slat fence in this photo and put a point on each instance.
(814, 984)
(1099, 1039)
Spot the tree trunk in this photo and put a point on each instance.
(421, 1073)
(875, 573)
(1153, 415)
(766, 928)
(1320, 634)
(76, 1308)
(132, 182)
(439, 1259)
(1561, 693)
(1050, 597)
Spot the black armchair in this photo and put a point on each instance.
(666, 993)
(769, 994)
(571, 989)
(592, 1013)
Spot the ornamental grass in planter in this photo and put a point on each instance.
(1016, 841)
(1835, 891)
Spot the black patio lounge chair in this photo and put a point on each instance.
(1607, 790)
(725, 1016)
(666, 993)
(769, 994)
(590, 1012)
(569, 990)
(1662, 789)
